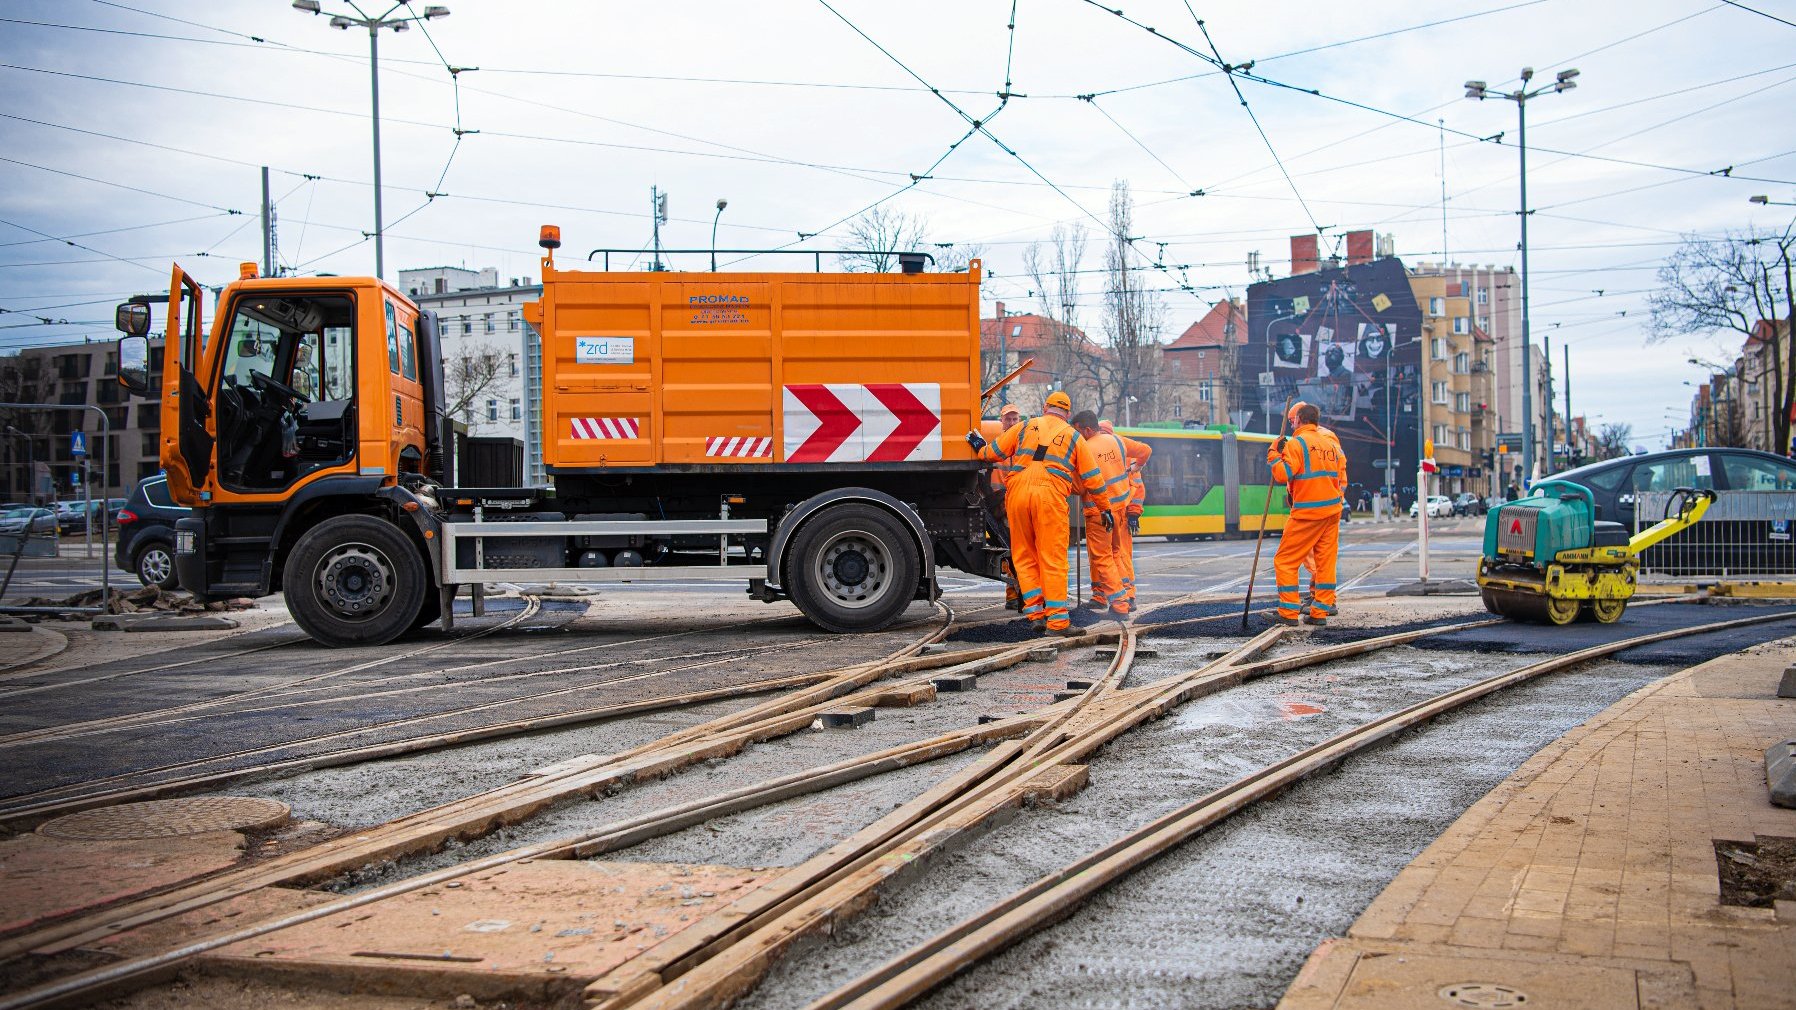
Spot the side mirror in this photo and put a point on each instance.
(132, 319)
(134, 360)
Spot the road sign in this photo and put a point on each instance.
(77, 443)
(1510, 443)
(1265, 378)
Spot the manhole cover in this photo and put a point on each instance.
(1483, 994)
(167, 818)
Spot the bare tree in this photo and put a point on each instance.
(1133, 317)
(878, 236)
(1612, 440)
(473, 372)
(1070, 356)
(1735, 283)
(955, 257)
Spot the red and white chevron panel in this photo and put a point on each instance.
(740, 448)
(606, 427)
(875, 423)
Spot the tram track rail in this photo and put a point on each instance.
(1032, 756)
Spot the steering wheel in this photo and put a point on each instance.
(264, 382)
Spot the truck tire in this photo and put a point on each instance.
(355, 580)
(853, 567)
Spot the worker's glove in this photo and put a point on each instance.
(975, 440)
(1280, 444)
(1108, 520)
(1134, 525)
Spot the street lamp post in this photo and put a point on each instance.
(721, 204)
(1477, 89)
(374, 25)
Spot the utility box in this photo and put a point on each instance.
(756, 369)
(490, 461)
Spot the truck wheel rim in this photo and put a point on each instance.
(355, 580)
(154, 566)
(854, 567)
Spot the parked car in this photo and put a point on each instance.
(1743, 546)
(31, 520)
(1439, 507)
(78, 516)
(1465, 503)
(146, 533)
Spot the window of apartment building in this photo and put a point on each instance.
(1438, 349)
(1462, 325)
(1204, 391)
(1462, 362)
(492, 408)
(512, 319)
(1437, 306)
(489, 322)
(1462, 403)
(1178, 410)
(1483, 296)
(1465, 439)
(1442, 436)
(467, 325)
(1484, 323)
(1440, 392)
(511, 361)
(517, 409)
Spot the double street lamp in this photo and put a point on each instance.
(1520, 96)
(374, 25)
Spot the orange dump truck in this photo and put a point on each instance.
(800, 431)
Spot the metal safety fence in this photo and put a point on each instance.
(57, 536)
(1743, 534)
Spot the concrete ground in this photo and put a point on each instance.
(1225, 921)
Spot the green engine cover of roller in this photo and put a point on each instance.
(1556, 516)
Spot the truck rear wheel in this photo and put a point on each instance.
(852, 568)
(355, 580)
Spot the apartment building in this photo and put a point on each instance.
(37, 463)
(1198, 368)
(492, 359)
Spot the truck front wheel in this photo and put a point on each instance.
(355, 580)
(852, 568)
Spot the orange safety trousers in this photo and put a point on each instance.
(1312, 544)
(1039, 531)
(1112, 559)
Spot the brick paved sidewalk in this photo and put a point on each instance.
(1588, 879)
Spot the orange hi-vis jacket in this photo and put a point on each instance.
(1314, 471)
(1046, 451)
(1138, 494)
(1114, 453)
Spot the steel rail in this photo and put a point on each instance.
(51, 803)
(88, 985)
(922, 968)
(474, 816)
(157, 715)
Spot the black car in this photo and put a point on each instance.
(146, 533)
(1733, 539)
(1465, 503)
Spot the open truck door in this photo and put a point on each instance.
(187, 432)
(187, 435)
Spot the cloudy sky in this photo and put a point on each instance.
(131, 134)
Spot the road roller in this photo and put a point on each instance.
(1549, 559)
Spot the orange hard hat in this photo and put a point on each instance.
(1060, 400)
(1010, 408)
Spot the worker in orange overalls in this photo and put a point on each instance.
(1137, 502)
(1008, 418)
(1107, 518)
(1051, 464)
(1311, 465)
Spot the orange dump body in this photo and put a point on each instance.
(756, 369)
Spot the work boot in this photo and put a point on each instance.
(1316, 622)
(1067, 632)
(1095, 605)
(1278, 620)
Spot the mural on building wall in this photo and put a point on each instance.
(1349, 340)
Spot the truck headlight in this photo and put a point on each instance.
(184, 542)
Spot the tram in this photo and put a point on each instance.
(1207, 482)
